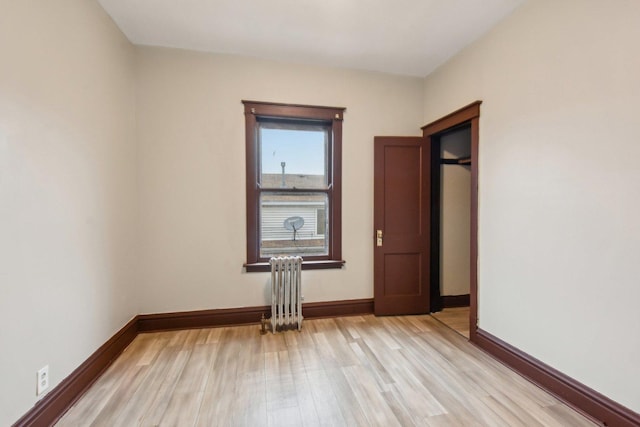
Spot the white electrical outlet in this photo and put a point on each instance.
(43, 380)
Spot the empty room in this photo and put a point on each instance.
(249, 213)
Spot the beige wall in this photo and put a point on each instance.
(559, 184)
(67, 191)
(455, 215)
(192, 171)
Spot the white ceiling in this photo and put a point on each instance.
(411, 37)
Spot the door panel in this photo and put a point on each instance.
(402, 166)
(401, 213)
(402, 274)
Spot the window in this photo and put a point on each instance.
(293, 184)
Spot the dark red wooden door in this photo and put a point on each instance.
(401, 225)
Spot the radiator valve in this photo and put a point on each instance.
(263, 325)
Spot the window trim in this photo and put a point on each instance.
(334, 115)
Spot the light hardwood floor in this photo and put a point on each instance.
(351, 371)
(457, 318)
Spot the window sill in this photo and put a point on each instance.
(306, 265)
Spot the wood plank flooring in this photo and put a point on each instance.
(457, 318)
(351, 371)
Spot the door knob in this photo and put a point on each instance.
(378, 237)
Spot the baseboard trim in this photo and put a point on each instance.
(351, 307)
(580, 397)
(51, 407)
(48, 410)
(451, 301)
(246, 315)
(201, 318)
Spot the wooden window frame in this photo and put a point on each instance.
(253, 111)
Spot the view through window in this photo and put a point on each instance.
(293, 157)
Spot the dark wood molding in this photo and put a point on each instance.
(469, 115)
(253, 219)
(306, 265)
(582, 398)
(275, 109)
(246, 315)
(53, 405)
(202, 318)
(256, 112)
(451, 301)
(335, 219)
(454, 119)
(435, 204)
(473, 285)
(350, 307)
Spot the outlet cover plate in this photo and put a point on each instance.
(43, 380)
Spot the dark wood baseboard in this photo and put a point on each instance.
(201, 318)
(51, 407)
(54, 404)
(451, 301)
(582, 398)
(350, 307)
(247, 315)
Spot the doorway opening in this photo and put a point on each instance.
(451, 219)
(453, 140)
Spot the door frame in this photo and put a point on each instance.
(468, 114)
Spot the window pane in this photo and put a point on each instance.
(321, 220)
(293, 155)
(289, 224)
